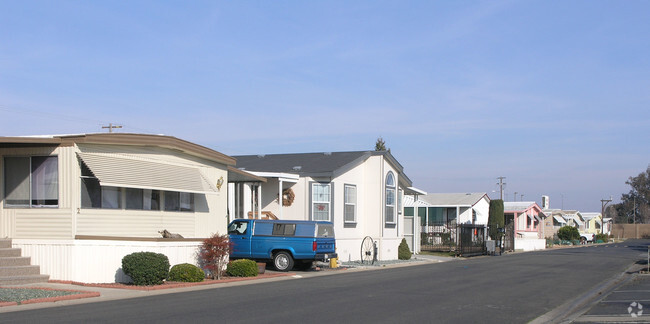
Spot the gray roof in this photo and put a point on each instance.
(313, 164)
(517, 205)
(452, 199)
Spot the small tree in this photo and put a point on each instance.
(568, 233)
(213, 254)
(496, 218)
(380, 145)
(403, 251)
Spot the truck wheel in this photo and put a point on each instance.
(283, 261)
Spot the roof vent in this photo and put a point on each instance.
(297, 168)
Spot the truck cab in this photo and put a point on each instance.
(286, 243)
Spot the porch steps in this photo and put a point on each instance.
(16, 269)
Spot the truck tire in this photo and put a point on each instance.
(282, 261)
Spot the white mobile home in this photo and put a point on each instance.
(360, 192)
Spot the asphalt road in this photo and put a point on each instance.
(514, 288)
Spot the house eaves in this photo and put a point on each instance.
(169, 142)
(165, 141)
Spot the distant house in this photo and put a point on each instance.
(526, 219)
(593, 222)
(77, 204)
(554, 221)
(360, 192)
(574, 218)
(437, 210)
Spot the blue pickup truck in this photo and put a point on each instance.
(285, 243)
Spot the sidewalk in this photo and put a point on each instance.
(91, 293)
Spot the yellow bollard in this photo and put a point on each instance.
(333, 263)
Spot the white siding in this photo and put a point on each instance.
(98, 261)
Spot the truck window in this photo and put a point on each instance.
(284, 229)
(238, 228)
(325, 230)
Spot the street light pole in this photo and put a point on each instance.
(603, 203)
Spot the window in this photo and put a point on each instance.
(237, 228)
(350, 203)
(32, 181)
(284, 229)
(324, 230)
(390, 198)
(179, 201)
(320, 201)
(144, 199)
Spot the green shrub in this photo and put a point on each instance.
(242, 268)
(403, 251)
(146, 268)
(602, 238)
(186, 272)
(568, 233)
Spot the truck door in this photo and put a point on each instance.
(240, 238)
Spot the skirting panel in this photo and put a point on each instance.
(97, 261)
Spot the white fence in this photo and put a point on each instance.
(98, 261)
(530, 244)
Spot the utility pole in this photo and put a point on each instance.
(111, 126)
(501, 185)
(515, 196)
(521, 198)
(603, 203)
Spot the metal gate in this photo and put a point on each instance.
(440, 238)
(471, 240)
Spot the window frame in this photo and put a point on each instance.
(313, 202)
(347, 204)
(390, 203)
(31, 200)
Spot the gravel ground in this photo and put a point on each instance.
(22, 294)
(377, 263)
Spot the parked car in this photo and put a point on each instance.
(283, 242)
(587, 237)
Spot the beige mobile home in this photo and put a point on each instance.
(76, 204)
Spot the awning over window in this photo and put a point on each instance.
(559, 219)
(131, 173)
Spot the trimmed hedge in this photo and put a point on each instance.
(186, 272)
(146, 268)
(403, 251)
(242, 268)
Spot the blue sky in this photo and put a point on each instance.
(553, 95)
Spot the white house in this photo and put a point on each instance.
(446, 209)
(360, 192)
(77, 204)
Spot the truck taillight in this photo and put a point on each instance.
(313, 246)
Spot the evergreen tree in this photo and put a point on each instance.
(380, 145)
(496, 218)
